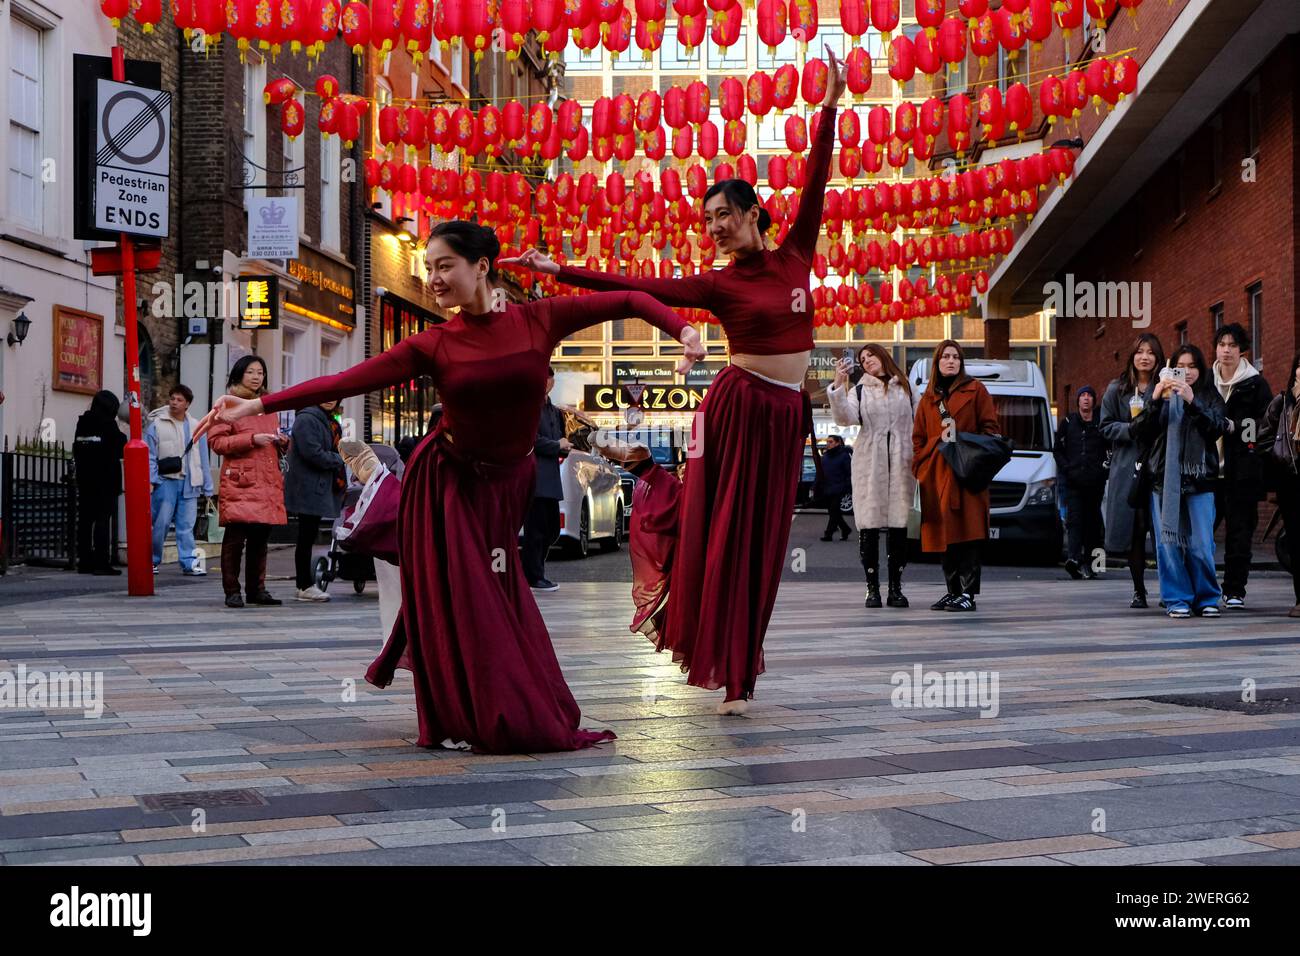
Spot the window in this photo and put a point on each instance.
(785, 53)
(1253, 120)
(289, 343)
(25, 106)
(329, 192)
(732, 58)
(295, 161)
(458, 63)
(1255, 302)
(577, 60)
(329, 352)
(1216, 152)
(955, 80)
(673, 55)
(1216, 318)
(1181, 330)
(254, 127)
(1010, 69)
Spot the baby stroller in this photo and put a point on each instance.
(339, 563)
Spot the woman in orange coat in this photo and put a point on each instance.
(250, 496)
(953, 520)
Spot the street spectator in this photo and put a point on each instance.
(313, 486)
(1246, 397)
(179, 474)
(1281, 434)
(1182, 422)
(954, 520)
(250, 494)
(1081, 470)
(542, 523)
(97, 457)
(837, 481)
(1128, 485)
(883, 405)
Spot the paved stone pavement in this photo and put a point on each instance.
(242, 712)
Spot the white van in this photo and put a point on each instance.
(1023, 507)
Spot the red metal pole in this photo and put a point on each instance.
(139, 518)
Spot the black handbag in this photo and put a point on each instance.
(974, 458)
(173, 464)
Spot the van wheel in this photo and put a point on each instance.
(614, 541)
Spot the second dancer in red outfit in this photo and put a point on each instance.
(484, 669)
(737, 502)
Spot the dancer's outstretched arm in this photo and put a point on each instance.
(807, 225)
(686, 292)
(401, 363)
(565, 314)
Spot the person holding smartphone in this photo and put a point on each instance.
(883, 404)
(250, 493)
(1183, 423)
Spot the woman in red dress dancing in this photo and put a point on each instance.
(738, 498)
(485, 672)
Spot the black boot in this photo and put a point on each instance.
(896, 598)
(873, 588)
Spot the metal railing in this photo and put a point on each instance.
(38, 504)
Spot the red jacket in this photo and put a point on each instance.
(251, 487)
(949, 513)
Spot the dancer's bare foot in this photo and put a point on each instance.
(617, 451)
(730, 708)
(359, 456)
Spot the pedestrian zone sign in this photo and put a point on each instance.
(132, 159)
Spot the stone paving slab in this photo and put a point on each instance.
(824, 769)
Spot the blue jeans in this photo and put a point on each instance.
(169, 503)
(1187, 577)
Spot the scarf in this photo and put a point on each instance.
(239, 391)
(1185, 449)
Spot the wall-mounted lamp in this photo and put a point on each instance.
(403, 234)
(18, 331)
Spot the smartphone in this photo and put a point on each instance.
(847, 356)
(1177, 374)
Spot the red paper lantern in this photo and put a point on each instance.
(850, 162)
(147, 13)
(1019, 107)
(697, 102)
(1051, 98)
(115, 10)
(577, 152)
(878, 124)
(771, 18)
(815, 78)
(853, 17)
(931, 119)
(884, 16)
(785, 87)
(675, 107)
(1101, 11)
(952, 41)
(292, 119)
(930, 14)
(733, 137)
(850, 128)
(1076, 91)
(926, 49)
(690, 30)
(959, 123)
(902, 59)
(1126, 76)
(683, 143)
(1009, 30)
(858, 69)
(1038, 22)
(758, 93)
(356, 26)
(803, 20)
(747, 169)
(796, 134)
(708, 145)
(1100, 77)
(984, 39)
(725, 30)
(1069, 15)
(777, 173)
(905, 121)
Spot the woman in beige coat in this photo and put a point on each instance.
(881, 403)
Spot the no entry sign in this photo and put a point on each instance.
(132, 158)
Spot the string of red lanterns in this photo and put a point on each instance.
(415, 24)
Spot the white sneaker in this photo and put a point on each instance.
(312, 593)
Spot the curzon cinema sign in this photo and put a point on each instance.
(655, 398)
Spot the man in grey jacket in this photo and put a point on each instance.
(542, 526)
(176, 494)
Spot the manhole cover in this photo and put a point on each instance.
(207, 799)
(1268, 700)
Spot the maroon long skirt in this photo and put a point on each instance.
(469, 631)
(722, 562)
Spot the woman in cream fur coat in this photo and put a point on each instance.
(882, 403)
